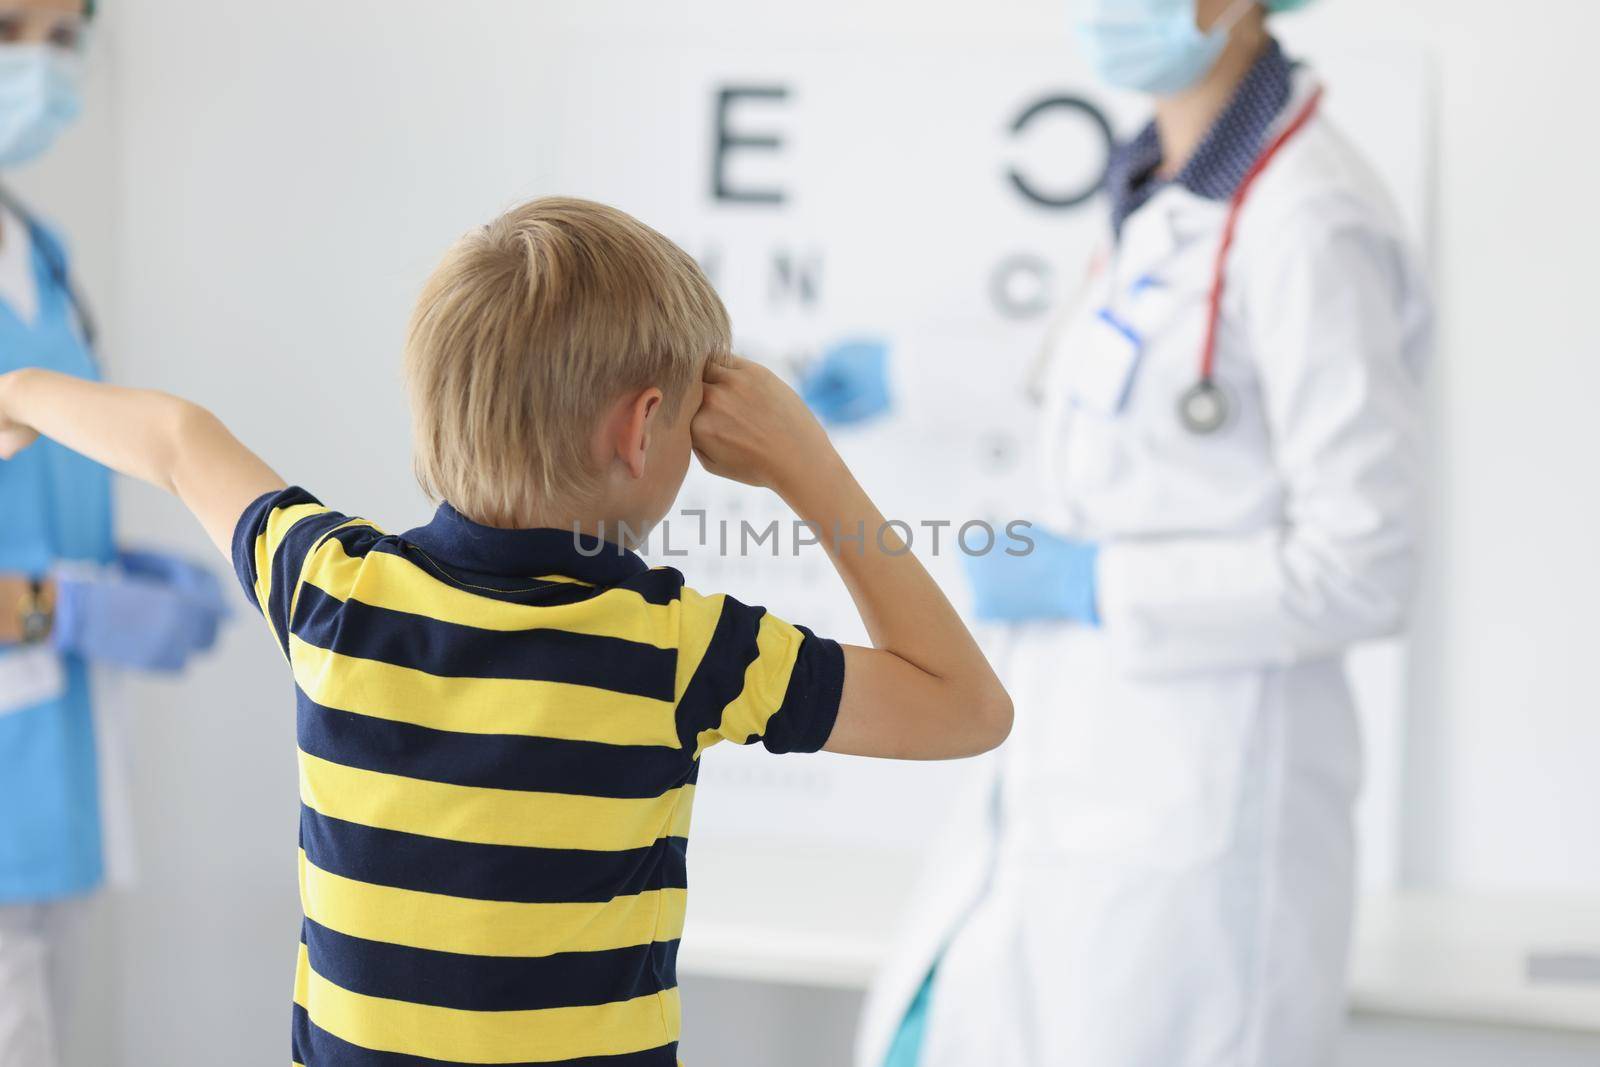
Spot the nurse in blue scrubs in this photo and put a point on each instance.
(70, 602)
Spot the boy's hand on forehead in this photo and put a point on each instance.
(753, 428)
(924, 691)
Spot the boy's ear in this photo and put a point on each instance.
(628, 432)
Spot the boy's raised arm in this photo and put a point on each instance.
(925, 691)
(157, 438)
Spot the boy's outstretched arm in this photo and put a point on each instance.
(157, 438)
(925, 691)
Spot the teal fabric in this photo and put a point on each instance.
(1278, 6)
(906, 1049)
(56, 506)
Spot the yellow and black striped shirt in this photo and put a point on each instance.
(499, 737)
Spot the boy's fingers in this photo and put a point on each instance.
(13, 439)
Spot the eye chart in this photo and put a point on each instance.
(938, 202)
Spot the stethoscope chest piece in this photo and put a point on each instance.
(1203, 408)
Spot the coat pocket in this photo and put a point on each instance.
(1147, 772)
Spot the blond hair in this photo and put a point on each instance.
(523, 335)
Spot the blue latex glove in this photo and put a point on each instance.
(154, 614)
(198, 585)
(850, 384)
(1056, 580)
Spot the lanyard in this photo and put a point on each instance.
(56, 264)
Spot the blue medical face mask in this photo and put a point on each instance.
(1151, 46)
(40, 95)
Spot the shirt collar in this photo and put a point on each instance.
(455, 540)
(1225, 156)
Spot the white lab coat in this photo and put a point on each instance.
(1159, 869)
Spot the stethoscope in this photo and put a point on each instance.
(1204, 408)
(57, 266)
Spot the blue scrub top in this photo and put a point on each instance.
(54, 506)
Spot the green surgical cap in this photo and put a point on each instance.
(1274, 6)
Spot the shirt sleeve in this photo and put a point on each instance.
(270, 545)
(747, 676)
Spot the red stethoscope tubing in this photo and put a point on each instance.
(1208, 355)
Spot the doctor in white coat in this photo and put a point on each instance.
(1161, 872)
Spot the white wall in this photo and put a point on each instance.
(1506, 727)
(249, 245)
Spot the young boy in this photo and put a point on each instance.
(501, 714)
